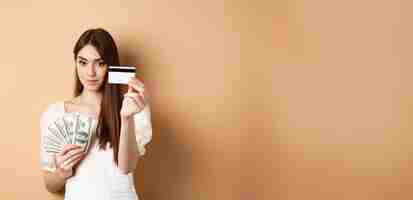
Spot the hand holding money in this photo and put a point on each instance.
(71, 128)
(134, 100)
(65, 160)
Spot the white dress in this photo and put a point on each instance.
(97, 177)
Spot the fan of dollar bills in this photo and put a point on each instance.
(70, 128)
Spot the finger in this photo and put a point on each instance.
(137, 80)
(137, 97)
(135, 88)
(74, 157)
(142, 98)
(72, 162)
(139, 101)
(134, 96)
(129, 99)
(72, 153)
(136, 85)
(68, 147)
(62, 160)
(131, 94)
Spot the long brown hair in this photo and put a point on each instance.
(108, 128)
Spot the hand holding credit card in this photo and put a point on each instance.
(121, 74)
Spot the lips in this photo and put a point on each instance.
(91, 82)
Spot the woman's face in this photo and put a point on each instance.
(91, 69)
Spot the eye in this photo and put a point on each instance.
(82, 62)
(101, 64)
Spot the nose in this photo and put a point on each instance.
(91, 70)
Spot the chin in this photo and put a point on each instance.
(93, 88)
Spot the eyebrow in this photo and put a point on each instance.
(82, 58)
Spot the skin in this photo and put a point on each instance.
(91, 72)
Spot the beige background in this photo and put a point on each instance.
(268, 100)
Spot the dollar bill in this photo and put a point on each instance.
(51, 152)
(71, 128)
(55, 132)
(52, 139)
(52, 144)
(63, 130)
(83, 131)
(50, 148)
(69, 121)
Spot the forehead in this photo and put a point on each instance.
(89, 52)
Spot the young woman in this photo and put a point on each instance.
(121, 115)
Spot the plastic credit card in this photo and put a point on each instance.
(121, 74)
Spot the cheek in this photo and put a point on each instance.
(79, 72)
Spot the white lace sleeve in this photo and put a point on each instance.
(143, 129)
(46, 161)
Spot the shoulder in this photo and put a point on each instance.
(51, 107)
(51, 110)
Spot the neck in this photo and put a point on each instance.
(91, 98)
